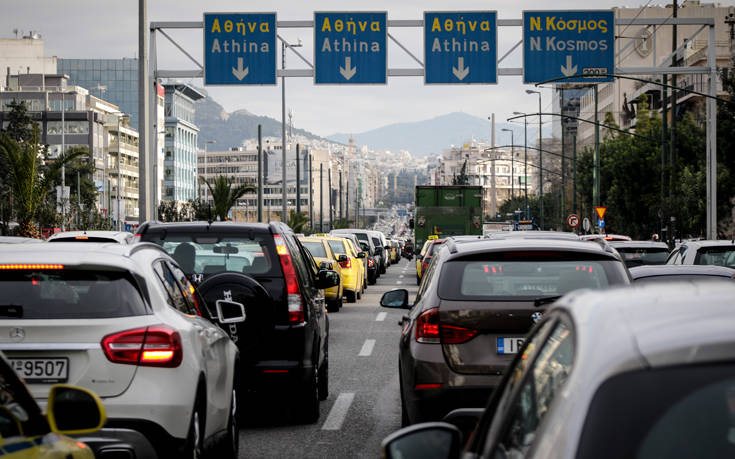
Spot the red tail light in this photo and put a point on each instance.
(293, 293)
(346, 264)
(154, 346)
(371, 262)
(425, 264)
(451, 334)
(427, 326)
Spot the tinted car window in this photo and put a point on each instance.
(84, 239)
(315, 248)
(531, 278)
(718, 256)
(644, 256)
(176, 298)
(338, 247)
(376, 242)
(679, 412)
(69, 294)
(547, 374)
(208, 253)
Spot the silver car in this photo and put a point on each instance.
(718, 253)
(645, 371)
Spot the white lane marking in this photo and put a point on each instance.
(381, 316)
(401, 276)
(367, 348)
(398, 282)
(338, 413)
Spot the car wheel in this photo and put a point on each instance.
(308, 405)
(231, 441)
(323, 379)
(194, 448)
(372, 280)
(334, 305)
(351, 296)
(358, 295)
(405, 422)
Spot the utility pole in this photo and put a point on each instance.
(63, 169)
(144, 83)
(298, 181)
(321, 197)
(574, 174)
(672, 132)
(596, 170)
(260, 173)
(347, 204)
(284, 187)
(329, 179)
(341, 216)
(563, 166)
(311, 193)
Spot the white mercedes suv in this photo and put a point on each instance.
(124, 322)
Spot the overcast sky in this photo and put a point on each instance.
(108, 29)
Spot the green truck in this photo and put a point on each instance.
(447, 211)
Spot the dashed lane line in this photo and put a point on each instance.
(338, 413)
(398, 282)
(367, 348)
(381, 316)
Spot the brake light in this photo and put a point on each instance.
(154, 346)
(20, 266)
(346, 264)
(427, 326)
(427, 386)
(452, 334)
(425, 264)
(293, 293)
(371, 262)
(82, 237)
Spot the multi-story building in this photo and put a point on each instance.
(25, 55)
(114, 80)
(650, 46)
(180, 148)
(121, 145)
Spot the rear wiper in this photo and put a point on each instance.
(545, 300)
(11, 310)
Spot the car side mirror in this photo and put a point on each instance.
(325, 265)
(74, 410)
(361, 255)
(230, 312)
(430, 440)
(327, 278)
(342, 258)
(396, 299)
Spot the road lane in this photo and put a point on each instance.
(363, 404)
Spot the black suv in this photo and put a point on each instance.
(284, 339)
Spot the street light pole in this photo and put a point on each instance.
(512, 161)
(540, 160)
(206, 174)
(525, 161)
(284, 184)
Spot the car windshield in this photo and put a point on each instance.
(674, 412)
(315, 248)
(362, 237)
(69, 294)
(337, 247)
(718, 256)
(643, 256)
(528, 279)
(208, 253)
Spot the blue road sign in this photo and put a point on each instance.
(601, 223)
(565, 43)
(350, 48)
(460, 47)
(239, 48)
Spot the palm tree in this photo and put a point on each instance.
(224, 195)
(30, 183)
(297, 221)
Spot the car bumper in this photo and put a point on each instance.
(119, 444)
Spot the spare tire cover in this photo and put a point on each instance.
(259, 314)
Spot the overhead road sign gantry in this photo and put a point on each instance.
(566, 43)
(460, 47)
(239, 48)
(350, 47)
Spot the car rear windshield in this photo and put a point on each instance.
(84, 239)
(362, 237)
(337, 247)
(208, 253)
(376, 242)
(674, 412)
(69, 294)
(718, 256)
(682, 278)
(526, 276)
(316, 249)
(642, 256)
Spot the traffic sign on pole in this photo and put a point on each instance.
(586, 225)
(350, 48)
(239, 48)
(573, 220)
(601, 212)
(564, 43)
(460, 47)
(601, 223)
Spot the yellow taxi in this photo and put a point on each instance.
(26, 433)
(421, 257)
(353, 269)
(325, 258)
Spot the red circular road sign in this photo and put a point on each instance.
(573, 220)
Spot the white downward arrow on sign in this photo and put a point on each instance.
(348, 71)
(460, 71)
(569, 69)
(240, 72)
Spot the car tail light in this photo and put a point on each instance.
(293, 293)
(154, 346)
(425, 264)
(427, 386)
(452, 334)
(346, 264)
(23, 266)
(371, 262)
(427, 326)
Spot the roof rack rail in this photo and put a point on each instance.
(143, 245)
(451, 245)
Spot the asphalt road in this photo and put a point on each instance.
(364, 404)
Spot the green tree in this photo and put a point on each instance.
(30, 180)
(18, 129)
(461, 178)
(224, 195)
(298, 221)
